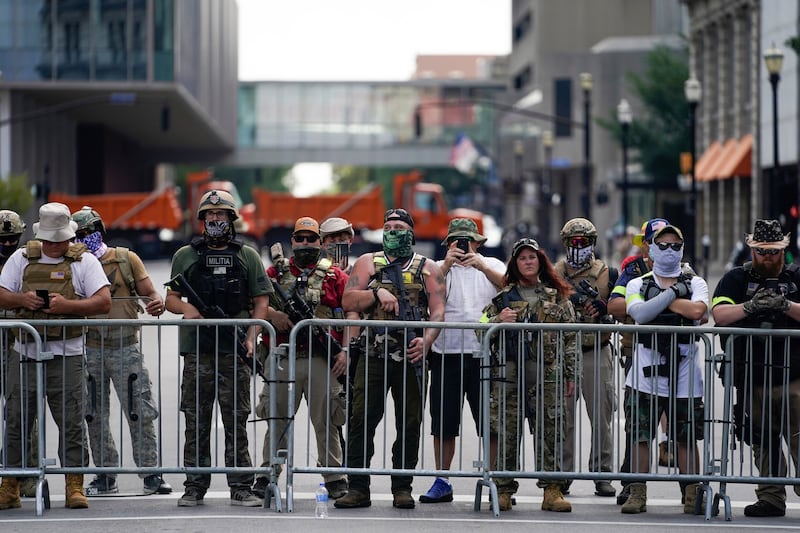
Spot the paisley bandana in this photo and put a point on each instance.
(94, 243)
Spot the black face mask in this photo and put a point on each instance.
(306, 256)
(7, 249)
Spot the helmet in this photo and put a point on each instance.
(578, 227)
(89, 220)
(11, 223)
(215, 199)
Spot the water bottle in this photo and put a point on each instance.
(321, 510)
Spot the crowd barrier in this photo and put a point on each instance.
(729, 451)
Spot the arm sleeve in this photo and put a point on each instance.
(644, 311)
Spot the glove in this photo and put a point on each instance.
(600, 307)
(681, 289)
(763, 300)
(777, 302)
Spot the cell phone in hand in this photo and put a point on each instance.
(44, 295)
(463, 244)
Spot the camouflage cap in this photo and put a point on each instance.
(463, 227)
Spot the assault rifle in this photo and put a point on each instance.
(585, 292)
(408, 312)
(180, 284)
(500, 302)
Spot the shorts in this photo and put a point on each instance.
(453, 376)
(643, 412)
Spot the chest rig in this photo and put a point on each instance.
(307, 285)
(590, 273)
(413, 282)
(219, 278)
(124, 305)
(56, 278)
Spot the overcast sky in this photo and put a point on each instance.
(363, 39)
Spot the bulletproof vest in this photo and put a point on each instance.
(650, 290)
(591, 273)
(6, 314)
(54, 278)
(786, 283)
(308, 286)
(117, 266)
(413, 282)
(219, 278)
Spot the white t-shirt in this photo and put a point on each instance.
(690, 365)
(468, 292)
(87, 278)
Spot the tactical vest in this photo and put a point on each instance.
(6, 314)
(413, 282)
(591, 273)
(309, 288)
(55, 278)
(662, 342)
(787, 284)
(219, 278)
(117, 267)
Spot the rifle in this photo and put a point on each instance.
(180, 284)
(407, 312)
(500, 302)
(584, 292)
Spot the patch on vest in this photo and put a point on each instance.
(222, 261)
(58, 275)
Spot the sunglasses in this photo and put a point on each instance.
(9, 240)
(306, 238)
(580, 242)
(674, 245)
(768, 251)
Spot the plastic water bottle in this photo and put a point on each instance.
(321, 510)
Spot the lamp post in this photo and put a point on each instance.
(547, 144)
(693, 92)
(586, 85)
(773, 58)
(624, 116)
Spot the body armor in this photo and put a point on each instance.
(412, 280)
(219, 278)
(123, 287)
(596, 273)
(662, 343)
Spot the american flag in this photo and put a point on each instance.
(463, 155)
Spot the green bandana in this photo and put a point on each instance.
(397, 242)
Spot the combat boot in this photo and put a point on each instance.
(9, 493)
(554, 500)
(690, 497)
(75, 498)
(637, 501)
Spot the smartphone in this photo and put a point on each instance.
(463, 245)
(44, 295)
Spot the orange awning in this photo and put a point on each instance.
(715, 171)
(707, 160)
(739, 162)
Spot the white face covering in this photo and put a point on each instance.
(578, 257)
(666, 263)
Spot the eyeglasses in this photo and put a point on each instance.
(306, 238)
(768, 251)
(580, 242)
(674, 245)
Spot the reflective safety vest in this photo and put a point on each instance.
(55, 278)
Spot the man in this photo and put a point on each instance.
(390, 363)
(589, 277)
(75, 287)
(225, 273)
(471, 280)
(113, 356)
(337, 237)
(320, 285)
(665, 376)
(763, 293)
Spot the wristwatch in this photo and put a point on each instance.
(375, 294)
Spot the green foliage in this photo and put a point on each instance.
(16, 193)
(660, 130)
(794, 44)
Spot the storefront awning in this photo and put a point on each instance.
(724, 161)
(707, 160)
(739, 164)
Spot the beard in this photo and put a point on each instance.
(768, 269)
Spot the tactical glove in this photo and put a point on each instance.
(681, 289)
(599, 306)
(763, 300)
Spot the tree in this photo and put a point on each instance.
(16, 193)
(660, 133)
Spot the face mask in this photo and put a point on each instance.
(666, 263)
(339, 253)
(578, 257)
(93, 242)
(7, 249)
(397, 242)
(306, 256)
(217, 232)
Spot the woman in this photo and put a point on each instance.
(533, 292)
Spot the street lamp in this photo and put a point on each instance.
(624, 116)
(586, 85)
(773, 57)
(694, 93)
(547, 144)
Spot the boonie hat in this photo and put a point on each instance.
(306, 224)
(648, 231)
(767, 234)
(334, 225)
(55, 223)
(463, 227)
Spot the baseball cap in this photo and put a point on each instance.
(668, 229)
(398, 214)
(649, 229)
(306, 224)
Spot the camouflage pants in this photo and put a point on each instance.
(124, 367)
(543, 407)
(206, 378)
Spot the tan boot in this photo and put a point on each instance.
(690, 496)
(504, 501)
(9, 493)
(75, 498)
(637, 501)
(554, 500)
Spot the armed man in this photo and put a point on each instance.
(229, 276)
(308, 286)
(395, 283)
(589, 277)
(114, 356)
